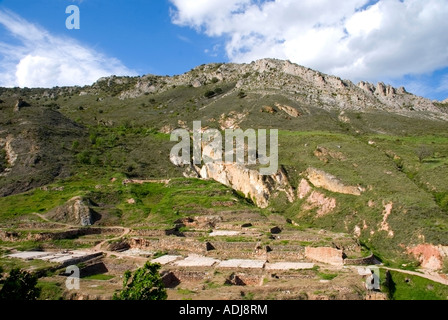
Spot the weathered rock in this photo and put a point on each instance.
(380, 89)
(289, 110)
(304, 189)
(75, 211)
(430, 256)
(251, 183)
(8, 236)
(20, 104)
(268, 109)
(384, 224)
(324, 205)
(329, 182)
(326, 255)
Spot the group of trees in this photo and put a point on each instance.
(144, 284)
(19, 285)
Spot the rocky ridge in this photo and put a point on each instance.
(299, 83)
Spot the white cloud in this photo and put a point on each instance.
(355, 39)
(40, 59)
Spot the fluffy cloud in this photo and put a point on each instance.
(355, 39)
(39, 59)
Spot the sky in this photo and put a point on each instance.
(399, 42)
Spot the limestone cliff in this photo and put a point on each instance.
(257, 187)
(329, 182)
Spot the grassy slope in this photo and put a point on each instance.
(409, 287)
(124, 140)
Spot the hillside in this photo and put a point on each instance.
(367, 161)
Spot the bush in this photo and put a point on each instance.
(83, 157)
(20, 286)
(3, 162)
(241, 94)
(423, 152)
(145, 284)
(75, 144)
(209, 94)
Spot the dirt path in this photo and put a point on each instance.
(432, 277)
(48, 220)
(125, 232)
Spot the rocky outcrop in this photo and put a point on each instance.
(9, 152)
(231, 120)
(431, 257)
(251, 183)
(303, 189)
(319, 201)
(325, 155)
(384, 224)
(329, 182)
(268, 109)
(20, 104)
(326, 255)
(76, 211)
(292, 112)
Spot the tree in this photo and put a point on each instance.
(209, 94)
(241, 95)
(145, 284)
(20, 286)
(423, 152)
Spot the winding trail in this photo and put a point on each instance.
(125, 230)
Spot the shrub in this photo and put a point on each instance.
(209, 94)
(144, 284)
(423, 152)
(20, 286)
(83, 157)
(242, 95)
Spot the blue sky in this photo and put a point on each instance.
(401, 42)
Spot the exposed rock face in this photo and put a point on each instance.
(326, 255)
(268, 109)
(11, 155)
(257, 187)
(75, 211)
(304, 189)
(300, 84)
(329, 182)
(289, 110)
(32, 154)
(384, 225)
(20, 104)
(325, 154)
(324, 205)
(232, 120)
(430, 256)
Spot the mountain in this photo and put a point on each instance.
(365, 160)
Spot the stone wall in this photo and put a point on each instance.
(370, 260)
(325, 254)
